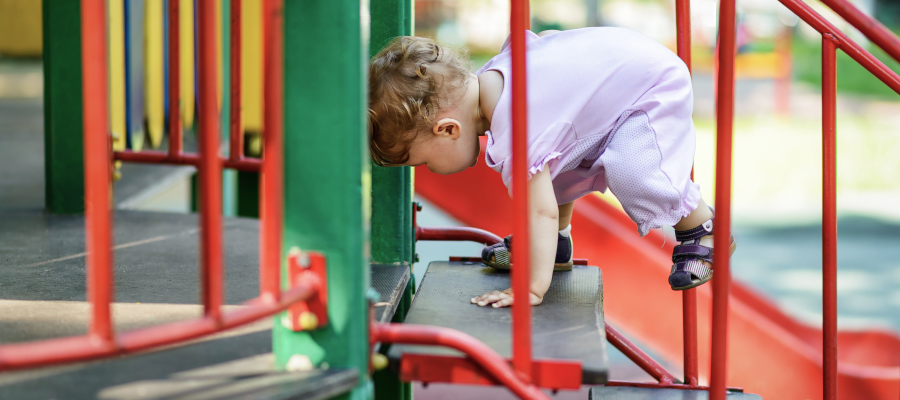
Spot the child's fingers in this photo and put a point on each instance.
(504, 302)
(489, 298)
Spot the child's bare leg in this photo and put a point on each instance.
(700, 215)
(565, 214)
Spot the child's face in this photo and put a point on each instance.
(452, 145)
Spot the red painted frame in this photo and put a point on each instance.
(101, 340)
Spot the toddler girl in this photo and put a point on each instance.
(607, 107)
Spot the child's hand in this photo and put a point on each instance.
(503, 298)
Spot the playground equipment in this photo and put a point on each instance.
(336, 323)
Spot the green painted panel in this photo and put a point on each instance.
(63, 124)
(327, 178)
(393, 239)
(392, 188)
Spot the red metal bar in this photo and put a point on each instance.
(175, 127)
(851, 48)
(688, 297)
(724, 126)
(494, 365)
(272, 207)
(453, 233)
(236, 140)
(210, 167)
(638, 356)
(683, 30)
(521, 309)
(870, 27)
(159, 157)
(547, 374)
(97, 148)
(829, 217)
(82, 348)
(689, 326)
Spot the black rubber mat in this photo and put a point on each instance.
(42, 257)
(390, 282)
(633, 393)
(567, 326)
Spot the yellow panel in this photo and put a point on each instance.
(20, 28)
(251, 65)
(117, 72)
(153, 47)
(186, 32)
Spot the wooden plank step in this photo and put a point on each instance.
(567, 326)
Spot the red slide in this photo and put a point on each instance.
(769, 353)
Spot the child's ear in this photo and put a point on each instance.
(447, 127)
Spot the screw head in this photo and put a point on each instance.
(418, 206)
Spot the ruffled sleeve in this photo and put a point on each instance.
(545, 150)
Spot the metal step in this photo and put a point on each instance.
(636, 393)
(390, 282)
(567, 326)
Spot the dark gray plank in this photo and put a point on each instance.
(42, 257)
(568, 325)
(632, 393)
(238, 367)
(390, 282)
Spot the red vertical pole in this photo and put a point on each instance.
(829, 218)
(688, 297)
(273, 151)
(97, 159)
(521, 309)
(724, 126)
(210, 166)
(174, 82)
(236, 140)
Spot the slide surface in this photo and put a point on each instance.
(769, 353)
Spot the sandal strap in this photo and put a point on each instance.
(693, 267)
(501, 252)
(704, 229)
(686, 251)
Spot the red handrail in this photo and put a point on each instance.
(175, 125)
(492, 363)
(724, 124)
(101, 341)
(98, 218)
(829, 217)
(871, 28)
(521, 309)
(272, 210)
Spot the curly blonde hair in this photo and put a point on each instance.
(410, 81)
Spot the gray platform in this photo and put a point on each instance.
(567, 326)
(632, 393)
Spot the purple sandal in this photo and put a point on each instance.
(692, 262)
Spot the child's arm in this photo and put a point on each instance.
(544, 216)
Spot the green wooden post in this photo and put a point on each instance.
(392, 195)
(327, 177)
(63, 126)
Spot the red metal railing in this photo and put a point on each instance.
(832, 40)
(101, 340)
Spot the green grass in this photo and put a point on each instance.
(852, 78)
